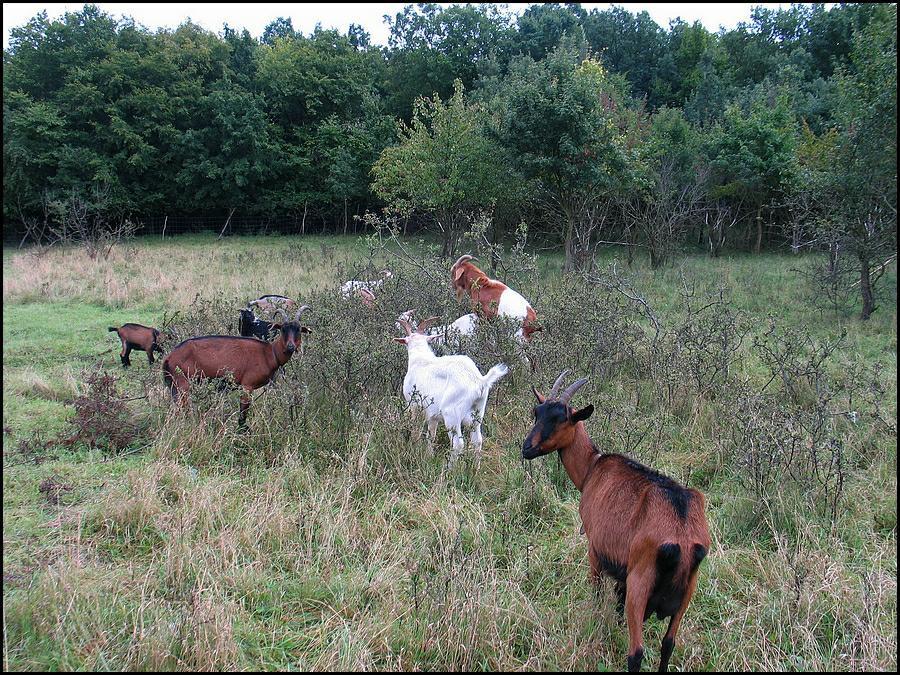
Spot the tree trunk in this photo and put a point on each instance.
(629, 237)
(303, 222)
(865, 287)
(570, 239)
(759, 229)
(656, 257)
(447, 225)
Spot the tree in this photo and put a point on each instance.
(629, 44)
(864, 175)
(431, 47)
(542, 27)
(279, 28)
(231, 151)
(752, 156)
(445, 164)
(559, 123)
(667, 184)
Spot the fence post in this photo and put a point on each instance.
(226, 224)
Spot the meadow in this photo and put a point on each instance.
(326, 538)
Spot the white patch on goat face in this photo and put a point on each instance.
(513, 305)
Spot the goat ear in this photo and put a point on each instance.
(402, 340)
(436, 336)
(583, 414)
(537, 394)
(304, 329)
(276, 326)
(457, 275)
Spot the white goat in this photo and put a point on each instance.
(466, 325)
(446, 387)
(364, 289)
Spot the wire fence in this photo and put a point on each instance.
(233, 223)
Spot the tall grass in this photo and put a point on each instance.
(327, 538)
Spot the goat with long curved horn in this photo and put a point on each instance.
(567, 395)
(461, 260)
(555, 388)
(426, 324)
(300, 311)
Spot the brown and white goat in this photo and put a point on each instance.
(137, 337)
(494, 297)
(367, 296)
(644, 530)
(253, 363)
(364, 290)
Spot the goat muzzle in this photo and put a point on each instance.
(529, 451)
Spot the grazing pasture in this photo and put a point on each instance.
(325, 537)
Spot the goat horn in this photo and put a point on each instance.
(552, 395)
(300, 311)
(406, 326)
(426, 324)
(462, 259)
(568, 393)
(282, 312)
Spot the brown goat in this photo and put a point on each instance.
(253, 363)
(137, 337)
(367, 296)
(644, 530)
(494, 297)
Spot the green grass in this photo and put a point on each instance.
(204, 549)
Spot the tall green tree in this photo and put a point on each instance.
(559, 124)
(864, 167)
(445, 164)
(430, 47)
(752, 157)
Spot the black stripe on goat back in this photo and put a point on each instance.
(679, 497)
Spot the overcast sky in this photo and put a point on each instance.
(305, 15)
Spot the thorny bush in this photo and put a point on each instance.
(339, 401)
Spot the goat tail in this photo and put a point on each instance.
(494, 374)
(675, 564)
(668, 557)
(113, 329)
